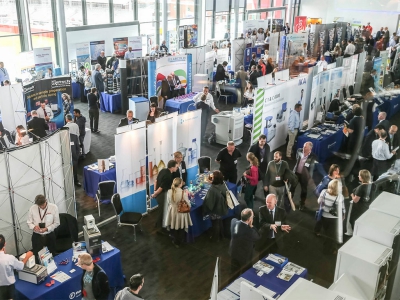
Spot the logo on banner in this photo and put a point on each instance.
(177, 58)
(302, 81)
(60, 83)
(267, 99)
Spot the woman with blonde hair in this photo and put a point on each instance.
(252, 179)
(360, 196)
(66, 103)
(333, 211)
(177, 222)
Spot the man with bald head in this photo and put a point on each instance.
(393, 139)
(382, 120)
(101, 60)
(272, 227)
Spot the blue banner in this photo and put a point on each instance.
(189, 73)
(152, 78)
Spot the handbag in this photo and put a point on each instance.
(231, 200)
(183, 207)
(321, 186)
(318, 214)
(333, 209)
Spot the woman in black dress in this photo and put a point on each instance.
(360, 196)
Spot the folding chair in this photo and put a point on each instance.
(204, 162)
(105, 192)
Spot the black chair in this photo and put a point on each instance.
(204, 162)
(66, 233)
(125, 218)
(105, 192)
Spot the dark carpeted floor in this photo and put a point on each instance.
(187, 273)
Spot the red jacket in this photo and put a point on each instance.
(253, 177)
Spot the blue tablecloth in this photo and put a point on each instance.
(324, 146)
(196, 213)
(92, 178)
(110, 102)
(391, 107)
(248, 119)
(76, 90)
(271, 281)
(181, 106)
(71, 289)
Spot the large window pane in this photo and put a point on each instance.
(73, 13)
(98, 12)
(40, 15)
(186, 22)
(172, 35)
(146, 12)
(187, 9)
(148, 28)
(123, 11)
(251, 4)
(8, 19)
(171, 9)
(10, 47)
(221, 24)
(45, 39)
(209, 21)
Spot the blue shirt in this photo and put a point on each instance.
(4, 74)
(294, 120)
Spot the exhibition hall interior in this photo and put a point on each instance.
(199, 149)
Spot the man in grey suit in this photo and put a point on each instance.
(243, 238)
(242, 75)
(98, 79)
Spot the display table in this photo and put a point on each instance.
(391, 107)
(110, 102)
(324, 146)
(87, 140)
(271, 281)
(71, 289)
(181, 106)
(76, 90)
(92, 178)
(196, 213)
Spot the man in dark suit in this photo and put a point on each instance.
(181, 170)
(367, 82)
(393, 140)
(102, 59)
(37, 126)
(262, 151)
(166, 92)
(97, 79)
(243, 238)
(75, 150)
(382, 120)
(272, 227)
(128, 120)
(372, 135)
(304, 170)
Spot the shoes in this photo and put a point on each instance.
(301, 207)
(96, 131)
(77, 183)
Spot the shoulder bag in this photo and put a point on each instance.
(333, 209)
(183, 207)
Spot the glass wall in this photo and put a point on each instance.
(187, 9)
(40, 15)
(209, 22)
(123, 11)
(73, 13)
(221, 25)
(98, 12)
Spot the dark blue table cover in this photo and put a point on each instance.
(110, 262)
(391, 107)
(110, 102)
(181, 106)
(271, 281)
(324, 146)
(248, 119)
(92, 178)
(76, 90)
(196, 213)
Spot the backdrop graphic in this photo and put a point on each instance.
(188, 141)
(209, 63)
(378, 67)
(180, 66)
(26, 63)
(222, 55)
(251, 25)
(346, 73)
(95, 49)
(49, 90)
(323, 92)
(188, 36)
(136, 43)
(161, 146)
(334, 85)
(300, 24)
(296, 91)
(273, 45)
(238, 47)
(43, 59)
(120, 46)
(294, 47)
(131, 172)
(282, 48)
(313, 101)
(83, 55)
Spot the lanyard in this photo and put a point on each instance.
(40, 215)
(280, 165)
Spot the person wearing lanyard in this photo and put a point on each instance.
(43, 218)
(273, 180)
(209, 99)
(294, 125)
(181, 170)
(128, 120)
(227, 158)
(304, 169)
(262, 151)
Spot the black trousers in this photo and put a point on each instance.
(7, 291)
(94, 115)
(82, 89)
(230, 176)
(75, 170)
(303, 184)
(161, 202)
(39, 241)
(179, 236)
(330, 244)
(81, 139)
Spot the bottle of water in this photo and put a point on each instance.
(191, 186)
(190, 157)
(194, 151)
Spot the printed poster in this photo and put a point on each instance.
(95, 49)
(120, 46)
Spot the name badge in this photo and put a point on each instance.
(235, 162)
(278, 223)
(307, 165)
(262, 159)
(278, 178)
(183, 171)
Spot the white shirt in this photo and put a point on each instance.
(380, 150)
(129, 55)
(350, 49)
(323, 63)
(209, 100)
(23, 140)
(49, 216)
(73, 128)
(8, 263)
(49, 112)
(249, 95)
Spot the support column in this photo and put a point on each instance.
(236, 10)
(24, 25)
(158, 7)
(124, 87)
(165, 19)
(62, 37)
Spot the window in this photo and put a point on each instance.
(186, 22)
(209, 21)
(40, 15)
(265, 4)
(146, 13)
(98, 12)
(8, 19)
(123, 11)
(186, 9)
(10, 47)
(171, 13)
(251, 4)
(221, 24)
(73, 13)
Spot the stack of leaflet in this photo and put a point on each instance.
(47, 260)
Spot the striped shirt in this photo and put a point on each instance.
(328, 201)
